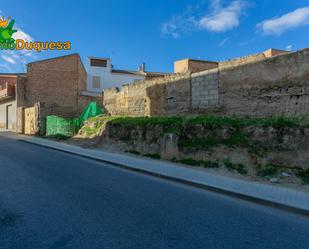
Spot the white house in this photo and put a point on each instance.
(102, 75)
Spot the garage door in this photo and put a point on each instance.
(9, 117)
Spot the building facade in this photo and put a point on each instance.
(8, 83)
(57, 84)
(102, 75)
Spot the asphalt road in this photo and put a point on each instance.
(50, 199)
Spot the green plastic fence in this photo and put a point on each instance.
(59, 127)
(62, 127)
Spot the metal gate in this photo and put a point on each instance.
(31, 120)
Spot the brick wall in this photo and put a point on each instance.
(54, 82)
(189, 65)
(205, 89)
(11, 79)
(273, 52)
(57, 84)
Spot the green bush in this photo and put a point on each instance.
(198, 142)
(210, 164)
(267, 170)
(132, 152)
(153, 156)
(304, 175)
(189, 161)
(210, 120)
(240, 168)
(238, 138)
(193, 162)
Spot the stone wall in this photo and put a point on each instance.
(136, 99)
(170, 95)
(177, 96)
(277, 86)
(241, 61)
(251, 86)
(130, 100)
(219, 139)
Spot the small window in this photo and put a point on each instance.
(96, 82)
(98, 63)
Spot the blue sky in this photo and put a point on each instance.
(157, 32)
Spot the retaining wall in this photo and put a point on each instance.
(254, 86)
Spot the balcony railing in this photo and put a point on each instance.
(7, 91)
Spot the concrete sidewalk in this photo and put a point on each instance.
(276, 196)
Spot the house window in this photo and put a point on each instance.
(98, 63)
(96, 82)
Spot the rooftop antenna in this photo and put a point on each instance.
(23, 65)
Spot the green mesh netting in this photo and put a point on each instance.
(92, 110)
(59, 127)
(65, 128)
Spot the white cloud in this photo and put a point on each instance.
(222, 43)
(218, 18)
(20, 34)
(179, 24)
(15, 61)
(289, 48)
(223, 19)
(9, 59)
(279, 25)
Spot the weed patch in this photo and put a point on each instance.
(304, 175)
(238, 138)
(210, 164)
(240, 168)
(198, 142)
(132, 152)
(153, 156)
(266, 170)
(196, 163)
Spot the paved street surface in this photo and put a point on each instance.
(50, 199)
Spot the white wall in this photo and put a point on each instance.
(3, 113)
(108, 79)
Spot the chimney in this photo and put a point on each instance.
(142, 68)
